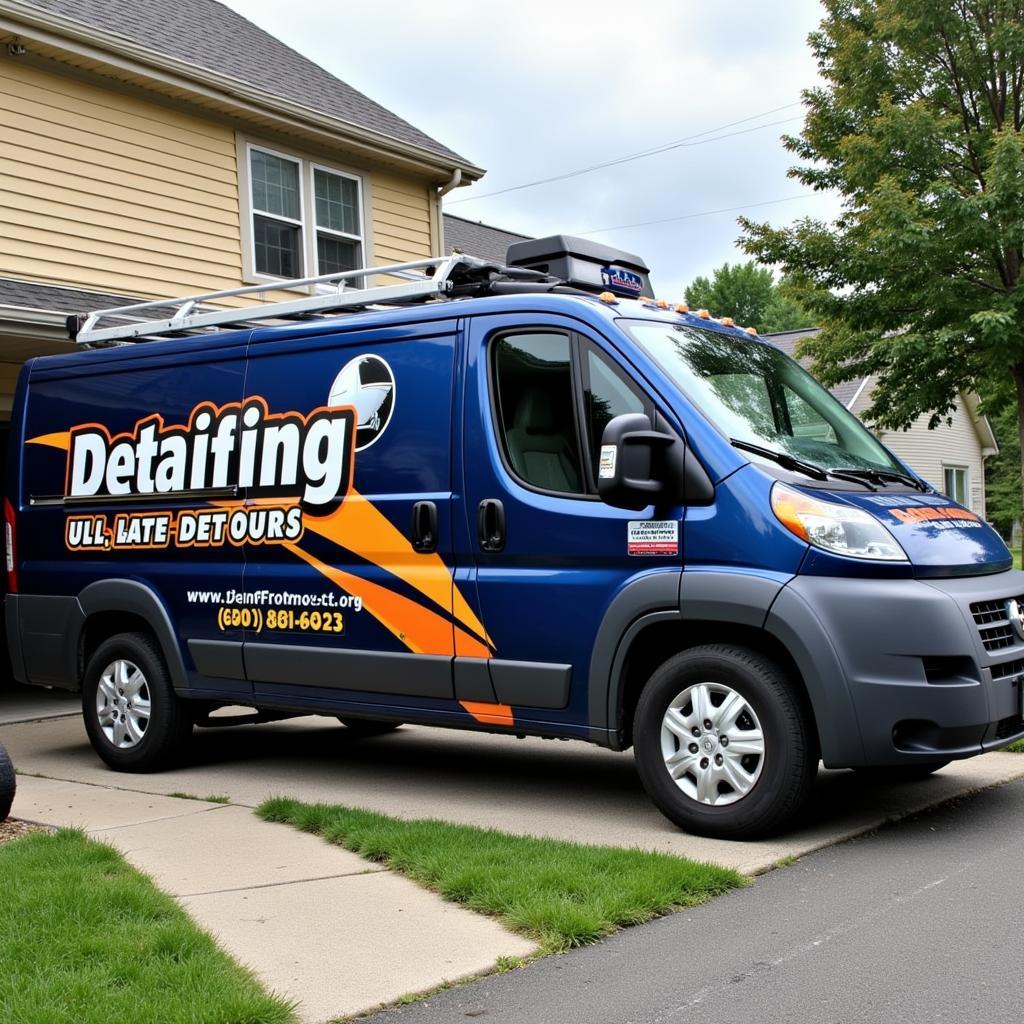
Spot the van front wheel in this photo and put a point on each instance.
(723, 744)
(135, 721)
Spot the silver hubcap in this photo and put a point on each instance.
(123, 703)
(713, 744)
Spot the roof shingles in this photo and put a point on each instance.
(212, 37)
(477, 239)
(845, 392)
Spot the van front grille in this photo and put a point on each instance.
(994, 624)
(1008, 669)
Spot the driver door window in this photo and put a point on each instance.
(536, 409)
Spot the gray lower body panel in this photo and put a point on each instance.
(42, 633)
(899, 665)
(409, 675)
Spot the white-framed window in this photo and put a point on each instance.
(303, 218)
(956, 484)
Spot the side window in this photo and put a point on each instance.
(536, 410)
(607, 394)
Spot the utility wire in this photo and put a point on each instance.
(690, 140)
(690, 216)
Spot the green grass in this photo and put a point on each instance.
(559, 894)
(1016, 748)
(86, 939)
(216, 798)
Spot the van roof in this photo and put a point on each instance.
(590, 309)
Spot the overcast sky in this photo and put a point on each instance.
(537, 88)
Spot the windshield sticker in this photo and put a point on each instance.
(652, 537)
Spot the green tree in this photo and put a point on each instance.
(748, 293)
(1003, 472)
(918, 127)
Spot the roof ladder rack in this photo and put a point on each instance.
(422, 280)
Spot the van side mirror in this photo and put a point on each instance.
(640, 466)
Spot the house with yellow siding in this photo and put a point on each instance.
(159, 148)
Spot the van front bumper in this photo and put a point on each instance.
(906, 671)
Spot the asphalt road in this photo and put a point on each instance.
(919, 923)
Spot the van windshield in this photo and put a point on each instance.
(757, 395)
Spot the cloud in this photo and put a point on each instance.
(534, 88)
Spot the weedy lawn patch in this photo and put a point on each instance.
(560, 894)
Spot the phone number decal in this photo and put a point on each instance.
(279, 619)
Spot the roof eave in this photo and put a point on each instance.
(86, 41)
(981, 424)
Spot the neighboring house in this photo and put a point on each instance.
(477, 239)
(153, 148)
(952, 457)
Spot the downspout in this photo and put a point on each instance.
(454, 182)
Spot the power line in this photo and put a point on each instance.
(684, 143)
(691, 216)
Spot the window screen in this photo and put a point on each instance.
(277, 214)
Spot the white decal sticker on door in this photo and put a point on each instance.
(652, 537)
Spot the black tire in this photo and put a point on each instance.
(783, 775)
(168, 727)
(8, 784)
(368, 726)
(901, 772)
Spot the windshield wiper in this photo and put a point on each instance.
(784, 459)
(788, 461)
(883, 475)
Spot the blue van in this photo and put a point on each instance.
(523, 499)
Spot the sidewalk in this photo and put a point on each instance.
(31, 703)
(316, 923)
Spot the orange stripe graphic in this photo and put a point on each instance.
(421, 630)
(489, 714)
(62, 440)
(360, 526)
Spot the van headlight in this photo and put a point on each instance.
(841, 529)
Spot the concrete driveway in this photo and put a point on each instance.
(561, 789)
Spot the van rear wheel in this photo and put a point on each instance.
(723, 743)
(135, 721)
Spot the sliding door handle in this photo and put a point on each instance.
(424, 527)
(490, 524)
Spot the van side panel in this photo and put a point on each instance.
(69, 544)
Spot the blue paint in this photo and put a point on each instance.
(541, 599)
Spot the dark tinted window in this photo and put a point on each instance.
(533, 375)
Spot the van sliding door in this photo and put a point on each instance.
(348, 478)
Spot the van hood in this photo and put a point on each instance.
(940, 537)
